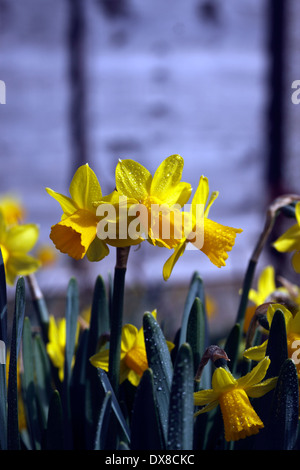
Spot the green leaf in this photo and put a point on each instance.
(280, 431)
(181, 410)
(277, 344)
(43, 380)
(29, 386)
(13, 438)
(146, 430)
(54, 433)
(103, 422)
(159, 361)
(195, 290)
(72, 312)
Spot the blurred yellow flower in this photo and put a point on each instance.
(213, 239)
(133, 355)
(46, 254)
(15, 242)
(57, 343)
(240, 418)
(290, 241)
(76, 233)
(161, 195)
(12, 209)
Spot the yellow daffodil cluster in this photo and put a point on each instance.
(143, 207)
(16, 240)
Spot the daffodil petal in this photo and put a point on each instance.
(133, 180)
(85, 188)
(22, 238)
(97, 250)
(203, 397)
(170, 263)
(288, 241)
(256, 353)
(167, 177)
(258, 390)
(100, 359)
(255, 375)
(21, 264)
(129, 335)
(222, 379)
(202, 191)
(179, 195)
(68, 206)
(266, 282)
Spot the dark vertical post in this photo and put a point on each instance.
(76, 43)
(276, 16)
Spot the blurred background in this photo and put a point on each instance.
(98, 80)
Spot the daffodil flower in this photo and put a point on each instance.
(292, 324)
(161, 195)
(213, 239)
(57, 343)
(15, 243)
(133, 361)
(240, 418)
(76, 233)
(290, 241)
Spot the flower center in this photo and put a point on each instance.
(240, 419)
(136, 359)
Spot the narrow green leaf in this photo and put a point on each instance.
(29, 386)
(195, 290)
(54, 432)
(43, 380)
(146, 430)
(181, 410)
(103, 422)
(159, 361)
(107, 387)
(280, 431)
(13, 438)
(277, 344)
(72, 312)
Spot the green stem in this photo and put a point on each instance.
(117, 317)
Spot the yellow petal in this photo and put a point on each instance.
(256, 375)
(262, 388)
(289, 241)
(167, 177)
(68, 206)
(179, 195)
(85, 188)
(100, 359)
(97, 250)
(222, 380)
(202, 191)
(256, 353)
(266, 283)
(75, 234)
(218, 241)
(133, 180)
(22, 238)
(203, 397)
(20, 264)
(129, 335)
(170, 263)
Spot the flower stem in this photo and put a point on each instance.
(117, 317)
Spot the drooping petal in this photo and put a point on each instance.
(218, 241)
(22, 238)
(170, 263)
(85, 188)
(288, 241)
(133, 180)
(256, 353)
(68, 206)
(167, 177)
(256, 375)
(97, 250)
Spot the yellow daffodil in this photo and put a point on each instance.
(15, 243)
(133, 355)
(290, 241)
(213, 239)
(76, 233)
(57, 343)
(12, 209)
(240, 418)
(46, 254)
(292, 324)
(161, 195)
